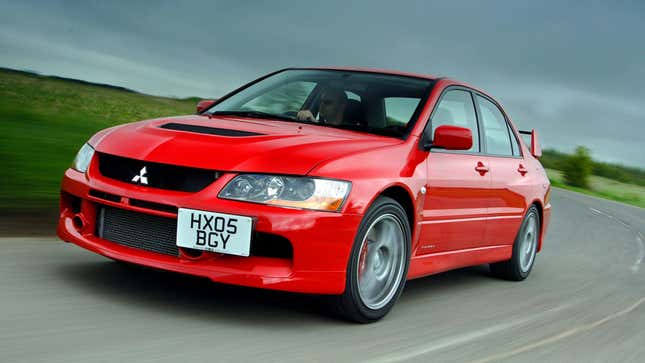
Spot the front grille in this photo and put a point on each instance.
(159, 234)
(155, 175)
(138, 230)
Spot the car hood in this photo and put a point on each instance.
(235, 144)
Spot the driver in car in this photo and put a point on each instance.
(332, 108)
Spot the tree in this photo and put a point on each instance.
(577, 168)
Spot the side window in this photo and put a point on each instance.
(399, 110)
(496, 130)
(286, 98)
(456, 108)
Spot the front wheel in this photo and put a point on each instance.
(378, 265)
(524, 249)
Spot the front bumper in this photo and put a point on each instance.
(321, 241)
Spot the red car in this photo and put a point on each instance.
(342, 182)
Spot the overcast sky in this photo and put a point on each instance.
(572, 70)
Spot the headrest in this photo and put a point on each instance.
(354, 113)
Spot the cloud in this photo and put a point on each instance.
(572, 70)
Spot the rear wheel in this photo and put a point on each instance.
(378, 265)
(524, 249)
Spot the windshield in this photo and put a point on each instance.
(370, 102)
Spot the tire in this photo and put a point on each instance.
(519, 266)
(376, 276)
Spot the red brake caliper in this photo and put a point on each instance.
(363, 259)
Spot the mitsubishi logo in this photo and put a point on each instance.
(141, 177)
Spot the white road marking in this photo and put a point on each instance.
(595, 210)
(565, 334)
(639, 239)
(468, 337)
(610, 217)
(641, 253)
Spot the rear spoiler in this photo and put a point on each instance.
(532, 142)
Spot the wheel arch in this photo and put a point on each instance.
(403, 196)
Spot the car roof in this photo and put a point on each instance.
(373, 70)
(448, 81)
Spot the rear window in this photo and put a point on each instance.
(498, 140)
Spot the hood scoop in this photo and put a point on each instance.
(208, 130)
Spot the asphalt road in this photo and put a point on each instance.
(584, 302)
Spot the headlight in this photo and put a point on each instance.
(83, 158)
(287, 191)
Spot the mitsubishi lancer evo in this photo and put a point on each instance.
(341, 182)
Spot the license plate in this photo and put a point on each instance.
(215, 232)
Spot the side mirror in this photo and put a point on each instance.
(452, 138)
(203, 105)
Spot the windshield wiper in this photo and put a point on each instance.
(256, 114)
(388, 131)
(392, 132)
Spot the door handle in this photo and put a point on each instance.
(522, 170)
(481, 168)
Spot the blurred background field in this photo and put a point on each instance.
(604, 188)
(46, 119)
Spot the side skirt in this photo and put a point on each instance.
(443, 261)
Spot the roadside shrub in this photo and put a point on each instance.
(577, 168)
(552, 159)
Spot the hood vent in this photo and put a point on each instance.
(208, 130)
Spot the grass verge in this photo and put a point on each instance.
(45, 121)
(604, 188)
